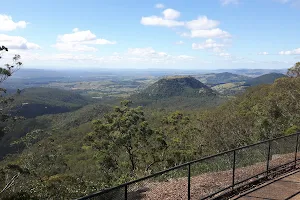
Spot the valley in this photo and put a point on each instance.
(125, 83)
(67, 137)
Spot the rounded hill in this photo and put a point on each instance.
(185, 86)
(264, 79)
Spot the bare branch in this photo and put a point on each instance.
(10, 183)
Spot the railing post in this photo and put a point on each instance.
(233, 169)
(126, 188)
(296, 150)
(189, 182)
(269, 154)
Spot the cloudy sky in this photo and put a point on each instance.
(187, 34)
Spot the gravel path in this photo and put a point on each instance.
(201, 185)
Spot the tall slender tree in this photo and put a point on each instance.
(6, 71)
(124, 138)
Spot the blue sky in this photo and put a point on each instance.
(185, 34)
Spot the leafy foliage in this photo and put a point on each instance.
(125, 130)
(181, 140)
(5, 101)
(294, 71)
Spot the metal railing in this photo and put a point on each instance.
(213, 176)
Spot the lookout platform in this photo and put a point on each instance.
(286, 187)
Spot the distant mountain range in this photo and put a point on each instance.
(221, 78)
(252, 72)
(35, 73)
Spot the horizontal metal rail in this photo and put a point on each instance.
(188, 164)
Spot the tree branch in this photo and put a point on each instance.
(10, 183)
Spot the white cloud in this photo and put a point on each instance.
(27, 57)
(224, 54)
(168, 19)
(202, 23)
(263, 53)
(145, 52)
(7, 24)
(17, 42)
(99, 41)
(293, 3)
(208, 44)
(77, 36)
(283, 1)
(159, 5)
(159, 21)
(218, 49)
(227, 40)
(73, 57)
(132, 57)
(205, 28)
(79, 41)
(185, 57)
(63, 58)
(292, 52)
(179, 42)
(234, 59)
(202, 27)
(73, 47)
(148, 54)
(75, 30)
(227, 2)
(171, 14)
(140, 51)
(275, 62)
(212, 33)
(185, 34)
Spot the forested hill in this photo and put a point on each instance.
(185, 92)
(185, 86)
(51, 122)
(264, 79)
(219, 78)
(33, 102)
